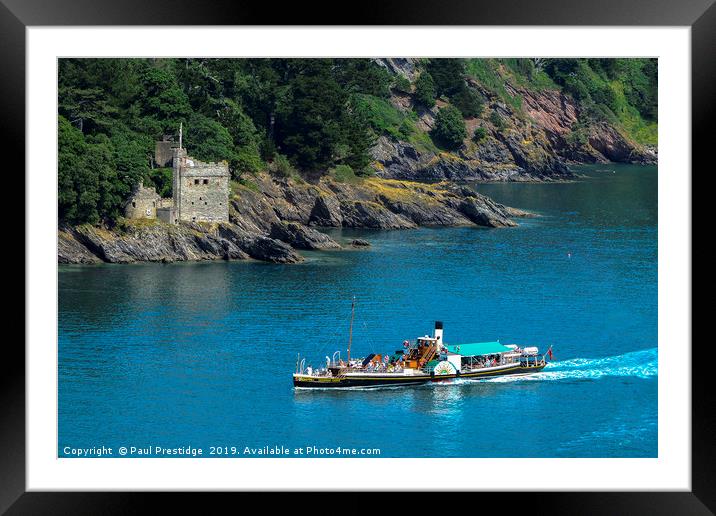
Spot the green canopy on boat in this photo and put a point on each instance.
(477, 348)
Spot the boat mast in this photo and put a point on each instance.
(350, 331)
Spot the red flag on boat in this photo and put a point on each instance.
(549, 352)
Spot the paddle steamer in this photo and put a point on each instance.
(425, 359)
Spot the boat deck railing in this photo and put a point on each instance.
(523, 360)
(532, 360)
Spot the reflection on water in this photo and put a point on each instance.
(202, 353)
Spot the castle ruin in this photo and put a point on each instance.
(200, 191)
(142, 203)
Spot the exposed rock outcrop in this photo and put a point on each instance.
(400, 65)
(159, 242)
(368, 214)
(259, 247)
(326, 212)
(302, 237)
(533, 142)
(557, 115)
(69, 250)
(273, 217)
(498, 158)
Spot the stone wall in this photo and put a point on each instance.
(142, 203)
(164, 152)
(168, 215)
(201, 190)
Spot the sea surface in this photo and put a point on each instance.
(189, 356)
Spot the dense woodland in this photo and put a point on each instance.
(298, 116)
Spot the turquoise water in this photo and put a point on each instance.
(201, 354)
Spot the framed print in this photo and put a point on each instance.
(440, 253)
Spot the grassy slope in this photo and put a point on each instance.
(388, 119)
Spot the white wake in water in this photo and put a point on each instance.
(638, 364)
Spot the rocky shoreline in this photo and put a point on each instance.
(272, 218)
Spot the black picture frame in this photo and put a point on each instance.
(16, 15)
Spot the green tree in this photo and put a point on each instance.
(238, 124)
(71, 147)
(200, 80)
(88, 109)
(468, 101)
(208, 140)
(246, 138)
(162, 179)
(163, 98)
(118, 80)
(88, 187)
(261, 87)
(401, 84)
(605, 95)
(479, 134)
(449, 130)
(359, 139)
(132, 154)
(425, 92)
(497, 121)
(309, 126)
(363, 76)
(639, 78)
(448, 74)
(281, 166)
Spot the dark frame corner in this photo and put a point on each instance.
(16, 15)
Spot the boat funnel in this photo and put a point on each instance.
(439, 331)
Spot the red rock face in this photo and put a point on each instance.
(551, 110)
(556, 114)
(535, 143)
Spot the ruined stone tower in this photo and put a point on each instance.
(143, 203)
(200, 190)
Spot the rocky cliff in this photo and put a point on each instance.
(270, 218)
(556, 116)
(533, 142)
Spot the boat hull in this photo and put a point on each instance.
(327, 382)
(491, 373)
(356, 380)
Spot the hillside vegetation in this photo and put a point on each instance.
(313, 117)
